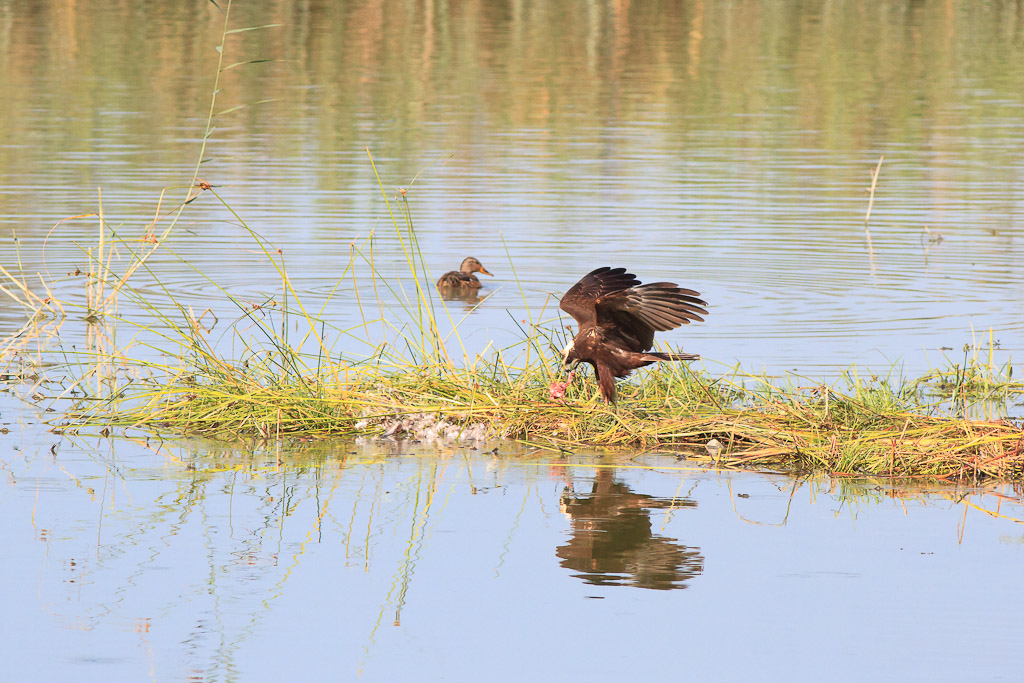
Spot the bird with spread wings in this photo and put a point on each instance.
(618, 317)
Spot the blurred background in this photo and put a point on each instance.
(726, 146)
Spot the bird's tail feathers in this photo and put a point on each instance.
(673, 356)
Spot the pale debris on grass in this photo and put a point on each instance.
(424, 427)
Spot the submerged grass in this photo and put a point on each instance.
(414, 381)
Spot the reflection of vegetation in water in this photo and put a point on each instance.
(223, 535)
(541, 66)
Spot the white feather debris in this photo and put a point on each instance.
(424, 427)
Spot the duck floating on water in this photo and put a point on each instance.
(464, 277)
(618, 317)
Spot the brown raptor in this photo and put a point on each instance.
(618, 317)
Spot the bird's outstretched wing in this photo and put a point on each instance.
(634, 314)
(580, 300)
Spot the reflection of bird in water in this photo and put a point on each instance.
(470, 298)
(618, 317)
(463, 279)
(612, 542)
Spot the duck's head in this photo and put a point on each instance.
(471, 265)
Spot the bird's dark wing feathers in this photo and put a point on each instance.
(454, 278)
(636, 313)
(579, 301)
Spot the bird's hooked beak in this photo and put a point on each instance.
(567, 363)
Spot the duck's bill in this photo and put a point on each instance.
(485, 271)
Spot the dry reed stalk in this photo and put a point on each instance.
(871, 204)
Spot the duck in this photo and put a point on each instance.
(463, 278)
(618, 316)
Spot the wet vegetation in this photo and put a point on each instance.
(278, 372)
(288, 382)
(262, 438)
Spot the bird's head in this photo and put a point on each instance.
(471, 265)
(569, 359)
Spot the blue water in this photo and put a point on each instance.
(546, 142)
(724, 146)
(381, 562)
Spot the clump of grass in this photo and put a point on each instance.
(976, 379)
(276, 390)
(286, 380)
(172, 378)
(410, 384)
(855, 429)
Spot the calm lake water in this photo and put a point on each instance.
(727, 146)
(193, 562)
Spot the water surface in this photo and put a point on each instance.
(726, 146)
(192, 562)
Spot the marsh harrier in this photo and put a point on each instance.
(618, 317)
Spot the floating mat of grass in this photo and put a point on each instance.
(287, 381)
(168, 374)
